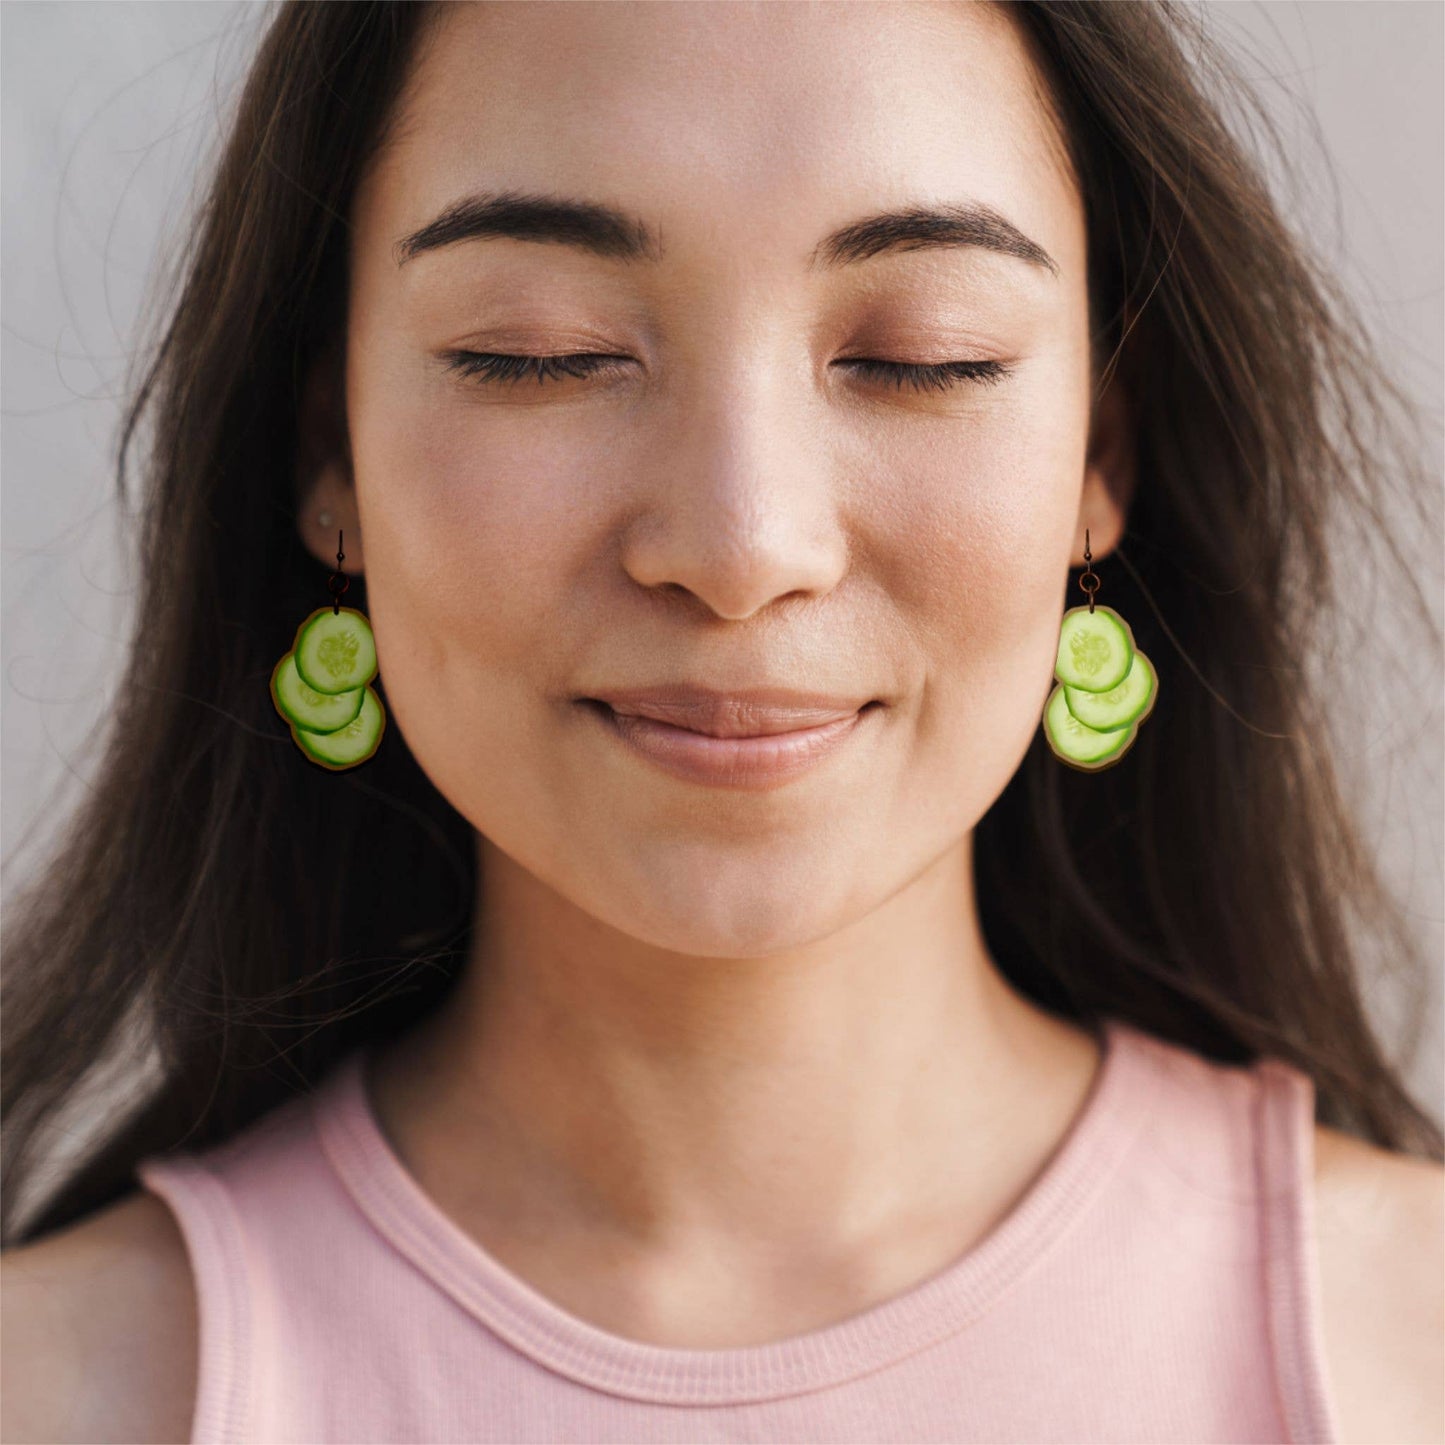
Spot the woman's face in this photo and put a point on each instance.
(730, 503)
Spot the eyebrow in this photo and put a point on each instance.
(606, 231)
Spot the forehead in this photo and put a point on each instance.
(745, 125)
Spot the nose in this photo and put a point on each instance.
(739, 513)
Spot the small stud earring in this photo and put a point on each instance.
(325, 519)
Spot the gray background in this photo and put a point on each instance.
(110, 108)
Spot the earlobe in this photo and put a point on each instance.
(323, 474)
(1110, 473)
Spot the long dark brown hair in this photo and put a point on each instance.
(221, 919)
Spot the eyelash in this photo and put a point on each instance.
(490, 367)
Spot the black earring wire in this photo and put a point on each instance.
(340, 577)
(1090, 580)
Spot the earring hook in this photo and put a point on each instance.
(1090, 580)
(338, 577)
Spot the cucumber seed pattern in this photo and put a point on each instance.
(1090, 652)
(337, 654)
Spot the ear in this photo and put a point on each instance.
(324, 480)
(1110, 472)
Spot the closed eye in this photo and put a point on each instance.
(494, 367)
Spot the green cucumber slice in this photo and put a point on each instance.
(318, 712)
(1132, 700)
(335, 652)
(1081, 746)
(350, 745)
(1095, 649)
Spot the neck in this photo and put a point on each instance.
(824, 1099)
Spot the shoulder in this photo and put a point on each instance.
(100, 1327)
(1380, 1230)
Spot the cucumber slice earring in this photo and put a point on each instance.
(1104, 686)
(322, 686)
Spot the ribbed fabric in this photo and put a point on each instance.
(1156, 1282)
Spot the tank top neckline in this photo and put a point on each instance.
(412, 1223)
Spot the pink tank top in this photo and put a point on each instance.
(1157, 1281)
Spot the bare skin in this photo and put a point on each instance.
(762, 1030)
(716, 1279)
(745, 1027)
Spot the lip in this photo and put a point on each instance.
(745, 713)
(761, 762)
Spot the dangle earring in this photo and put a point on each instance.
(322, 686)
(1104, 686)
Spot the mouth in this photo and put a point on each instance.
(776, 730)
(761, 761)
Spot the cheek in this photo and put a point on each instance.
(984, 532)
(986, 520)
(472, 529)
(470, 554)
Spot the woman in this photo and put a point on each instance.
(921, 1089)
